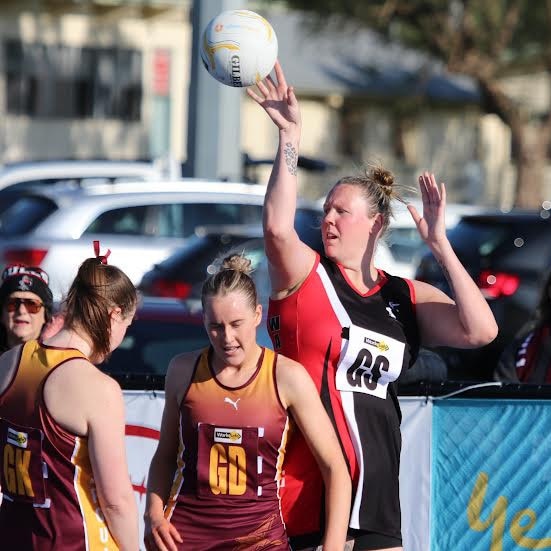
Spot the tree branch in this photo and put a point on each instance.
(510, 22)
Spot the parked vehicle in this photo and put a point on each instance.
(508, 256)
(142, 223)
(162, 328)
(402, 247)
(77, 172)
(182, 274)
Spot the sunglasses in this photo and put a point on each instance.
(32, 306)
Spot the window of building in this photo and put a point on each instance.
(54, 81)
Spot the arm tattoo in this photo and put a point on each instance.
(291, 158)
(446, 275)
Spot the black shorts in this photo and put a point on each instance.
(364, 540)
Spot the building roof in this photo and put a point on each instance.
(359, 62)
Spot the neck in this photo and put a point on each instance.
(70, 338)
(249, 363)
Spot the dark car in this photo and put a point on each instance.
(161, 329)
(182, 274)
(507, 255)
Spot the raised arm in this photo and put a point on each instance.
(299, 394)
(159, 532)
(290, 260)
(467, 321)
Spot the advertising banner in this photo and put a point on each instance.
(143, 420)
(491, 475)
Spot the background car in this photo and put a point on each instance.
(79, 172)
(508, 255)
(162, 328)
(182, 274)
(142, 223)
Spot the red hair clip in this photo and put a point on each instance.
(102, 258)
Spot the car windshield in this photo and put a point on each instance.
(24, 214)
(149, 345)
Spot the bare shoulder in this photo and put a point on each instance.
(85, 379)
(292, 378)
(179, 374)
(180, 365)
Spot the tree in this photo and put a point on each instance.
(484, 39)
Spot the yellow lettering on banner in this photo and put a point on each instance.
(9, 468)
(22, 461)
(518, 531)
(238, 470)
(497, 519)
(218, 470)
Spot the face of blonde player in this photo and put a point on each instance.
(346, 225)
(231, 325)
(22, 326)
(119, 325)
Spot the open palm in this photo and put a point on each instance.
(431, 226)
(278, 100)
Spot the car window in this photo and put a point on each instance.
(123, 221)
(308, 226)
(405, 244)
(478, 236)
(149, 345)
(24, 214)
(219, 213)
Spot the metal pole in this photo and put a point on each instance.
(214, 141)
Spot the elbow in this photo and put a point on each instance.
(483, 336)
(119, 506)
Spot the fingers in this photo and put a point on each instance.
(430, 192)
(279, 75)
(174, 533)
(263, 88)
(291, 98)
(162, 538)
(414, 214)
(254, 96)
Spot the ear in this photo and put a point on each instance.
(258, 315)
(115, 313)
(378, 223)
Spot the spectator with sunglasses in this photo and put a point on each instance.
(26, 304)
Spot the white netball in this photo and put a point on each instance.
(239, 47)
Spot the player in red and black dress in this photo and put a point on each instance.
(215, 478)
(354, 327)
(64, 475)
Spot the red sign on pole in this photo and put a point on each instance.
(161, 72)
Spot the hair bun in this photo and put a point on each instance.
(238, 263)
(384, 178)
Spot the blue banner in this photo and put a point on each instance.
(491, 475)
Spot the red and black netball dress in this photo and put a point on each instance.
(355, 346)
(49, 498)
(225, 494)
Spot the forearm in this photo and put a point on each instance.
(159, 481)
(122, 520)
(475, 316)
(337, 505)
(281, 193)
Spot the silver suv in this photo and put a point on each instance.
(142, 223)
(78, 172)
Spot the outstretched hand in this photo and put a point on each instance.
(278, 100)
(431, 226)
